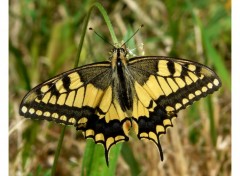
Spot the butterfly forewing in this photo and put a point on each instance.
(173, 83)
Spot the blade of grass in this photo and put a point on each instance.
(88, 157)
(95, 160)
(213, 130)
(107, 20)
(130, 159)
(85, 23)
(193, 133)
(56, 156)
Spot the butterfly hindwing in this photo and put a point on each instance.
(108, 125)
(163, 87)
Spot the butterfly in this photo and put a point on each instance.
(106, 99)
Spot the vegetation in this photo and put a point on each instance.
(44, 41)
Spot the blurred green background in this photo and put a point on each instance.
(43, 41)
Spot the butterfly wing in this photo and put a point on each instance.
(163, 87)
(65, 97)
(81, 97)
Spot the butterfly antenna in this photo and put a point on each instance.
(133, 35)
(101, 37)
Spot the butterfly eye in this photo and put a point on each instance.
(123, 50)
(114, 50)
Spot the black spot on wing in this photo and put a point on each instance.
(198, 70)
(66, 82)
(150, 106)
(171, 67)
(54, 90)
(39, 94)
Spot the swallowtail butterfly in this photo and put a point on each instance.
(106, 99)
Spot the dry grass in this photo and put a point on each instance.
(44, 36)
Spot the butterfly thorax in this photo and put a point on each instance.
(122, 80)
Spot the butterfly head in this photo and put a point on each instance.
(119, 56)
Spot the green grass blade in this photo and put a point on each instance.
(57, 153)
(85, 24)
(88, 157)
(94, 159)
(107, 20)
(213, 130)
(84, 29)
(130, 159)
